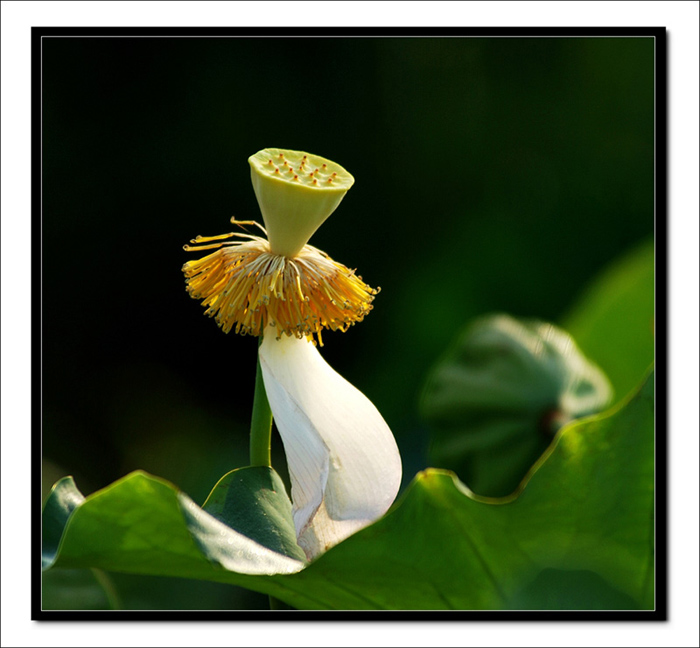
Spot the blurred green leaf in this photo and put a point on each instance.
(613, 322)
(587, 506)
(561, 589)
(499, 395)
(77, 589)
(146, 592)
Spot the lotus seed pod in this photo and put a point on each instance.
(296, 192)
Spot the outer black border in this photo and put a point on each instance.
(661, 320)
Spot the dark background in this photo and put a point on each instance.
(492, 174)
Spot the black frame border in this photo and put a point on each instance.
(660, 613)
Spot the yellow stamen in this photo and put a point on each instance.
(206, 239)
(246, 287)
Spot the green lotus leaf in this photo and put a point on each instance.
(613, 321)
(496, 399)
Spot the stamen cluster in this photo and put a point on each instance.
(246, 287)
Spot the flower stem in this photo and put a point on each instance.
(260, 424)
(276, 604)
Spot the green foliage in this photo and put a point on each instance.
(586, 510)
(497, 398)
(253, 501)
(63, 500)
(78, 589)
(143, 524)
(564, 589)
(613, 322)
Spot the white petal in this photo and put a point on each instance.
(343, 461)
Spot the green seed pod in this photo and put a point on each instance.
(296, 192)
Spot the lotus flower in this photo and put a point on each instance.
(344, 465)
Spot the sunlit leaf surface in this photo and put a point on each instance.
(613, 322)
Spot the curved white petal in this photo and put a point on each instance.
(343, 461)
